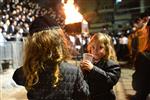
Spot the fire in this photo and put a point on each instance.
(71, 12)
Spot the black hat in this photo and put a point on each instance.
(42, 23)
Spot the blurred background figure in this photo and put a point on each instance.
(140, 77)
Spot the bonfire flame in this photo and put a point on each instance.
(71, 12)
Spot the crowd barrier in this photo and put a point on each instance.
(11, 54)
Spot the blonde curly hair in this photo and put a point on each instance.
(47, 48)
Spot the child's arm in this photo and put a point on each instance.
(109, 76)
(18, 76)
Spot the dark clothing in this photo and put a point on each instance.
(71, 86)
(102, 78)
(141, 79)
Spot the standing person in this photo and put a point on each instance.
(140, 78)
(104, 72)
(45, 73)
(123, 41)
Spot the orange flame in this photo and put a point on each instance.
(71, 12)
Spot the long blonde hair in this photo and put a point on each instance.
(47, 48)
(102, 38)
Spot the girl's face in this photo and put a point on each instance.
(98, 51)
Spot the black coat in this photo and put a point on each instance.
(141, 76)
(102, 78)
(71, 87)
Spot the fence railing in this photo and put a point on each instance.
(11, 54)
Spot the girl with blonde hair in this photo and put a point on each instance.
(45, 72)
(104, 71)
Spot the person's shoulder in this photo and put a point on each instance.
(144, 55)
(68, 70)
(68, 66)
(112, 63)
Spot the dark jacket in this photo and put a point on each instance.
(102, 78)
(71, 87)
(141, 79)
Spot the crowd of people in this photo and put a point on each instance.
(17, 16)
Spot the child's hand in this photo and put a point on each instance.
(86, 65)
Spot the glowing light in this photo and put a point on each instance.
(85, 28)
(71, 12)
(118, 1)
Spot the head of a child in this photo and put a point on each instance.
(101, 47)
(45, 48)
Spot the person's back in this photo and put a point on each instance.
(71, 87)
(45, 74)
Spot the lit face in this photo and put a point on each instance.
(97, 50)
